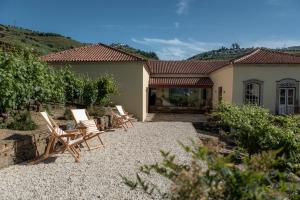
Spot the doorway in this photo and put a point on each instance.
(286, 101)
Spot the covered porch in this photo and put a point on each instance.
(180, 94)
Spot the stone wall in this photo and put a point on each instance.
(17, 148)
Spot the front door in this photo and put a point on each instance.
(286, 101)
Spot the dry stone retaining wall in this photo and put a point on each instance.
(17, 148)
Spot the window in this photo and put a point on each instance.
(194, 98)
(253, 92)
(220, 94)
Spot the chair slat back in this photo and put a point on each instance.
(90, 125)
(52, 126)
(47, 119)
(120, 109)
(79, 115)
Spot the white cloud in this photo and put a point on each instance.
(171, 52)
(176, 24)
(279, 43)
(176, 49)
(182, 6)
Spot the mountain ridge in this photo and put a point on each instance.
(235, 51)
(14, 38)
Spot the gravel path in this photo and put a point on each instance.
(97, 176)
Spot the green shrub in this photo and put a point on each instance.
(73, 84)
(107, 87)
(22, 121)
(214, 177)
(24, 79)
(90, 92)
(256, 130)
(3, 125)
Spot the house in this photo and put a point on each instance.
(263, 77)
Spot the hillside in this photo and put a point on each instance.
(234, 52)
(141, 53)
(41, 43)
(13, 38)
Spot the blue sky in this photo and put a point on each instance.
(174, 29)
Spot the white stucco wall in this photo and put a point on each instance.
(222, 77)
(132, 78)
(269, 74)
(146, 77)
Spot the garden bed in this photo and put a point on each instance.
(18, 146)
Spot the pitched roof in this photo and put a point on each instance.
(266, 56)
(91, 53)
(181, 82)
(185, 67)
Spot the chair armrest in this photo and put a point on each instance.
(68, 135)
(80, 127)
(72, 131)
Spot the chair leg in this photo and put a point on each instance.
(41, 158)
(71, 150)
(73, 154)
(124, 126)
(46, 154)
(78, 147)
(127, 124)
(87, 144)
(131, 123)
(100, 140)
(75, 151)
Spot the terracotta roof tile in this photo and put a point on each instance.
(91, 53)
(266, 56)
(185, 67)
(181, 82)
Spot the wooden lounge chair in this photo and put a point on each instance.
(69, 141)
(88, 126)
(119, 120)
(124, 115)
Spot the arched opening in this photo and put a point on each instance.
(253, 92)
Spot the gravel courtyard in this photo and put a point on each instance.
(97, 176)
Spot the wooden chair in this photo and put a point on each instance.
(88, 126)
(124, 115)
(68, 140)
(119, 120)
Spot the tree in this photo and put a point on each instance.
(235, 46)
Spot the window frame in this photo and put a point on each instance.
(260, 93)
(288, 83)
